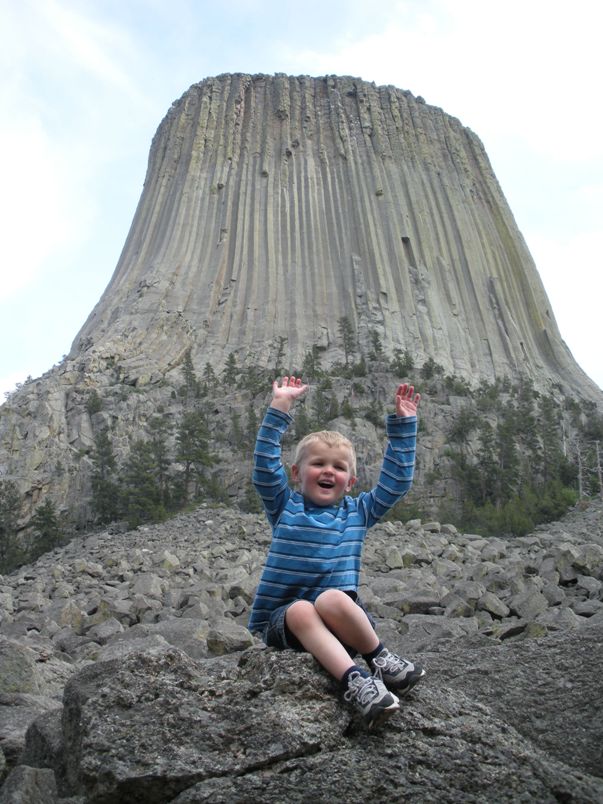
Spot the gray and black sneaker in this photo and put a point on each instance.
(371, 698)
(396, 673)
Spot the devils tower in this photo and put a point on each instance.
(273, 208)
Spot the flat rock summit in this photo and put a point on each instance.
(127, 675)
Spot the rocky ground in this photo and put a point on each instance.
(127, 674)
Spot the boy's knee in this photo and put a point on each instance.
(300, 614)
(332, 600)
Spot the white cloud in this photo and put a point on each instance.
(37, 209)
(67, 74)
(529, 70)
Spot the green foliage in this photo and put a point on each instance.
(280, 356)
(302, 423)
(348, 338)
(160, 431)
(324, 407)
(105, 487)
(141, 490)
(457, 386)
(374, 414)
(522, 512)
(311, 367)
(488, 396)
(256, 379)
(376, 355)
(463, 426)
(10, 503)
(46, 528)
(236, 432)
(403, 511)
(347, 410)
(359, 369)
(231, 369)
(192, 450)
(592, 428)
(402, 363)
(210, 380)
(94, 403)
(430, 369)
(517, 474)
(191, 389)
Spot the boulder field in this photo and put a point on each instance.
(127, 673)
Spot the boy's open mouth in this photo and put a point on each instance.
(326, 484)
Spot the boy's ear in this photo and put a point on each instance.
(351, 482)
(295, 473)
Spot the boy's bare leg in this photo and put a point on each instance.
(347, 620)
(305, 622)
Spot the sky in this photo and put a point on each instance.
(85, 84)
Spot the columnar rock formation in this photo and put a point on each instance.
(273, 206)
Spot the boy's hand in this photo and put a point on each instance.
(407, 401)
(284, 395)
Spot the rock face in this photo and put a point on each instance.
(273, 208)
(127, 674)
(274, 205)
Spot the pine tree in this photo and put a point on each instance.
(552, 453)
(348, 340)
(402, 364)
(486, 465)
(231, 369)
(210, 380)
(9, 514)
(141, 492)
(105, 496)
(311, 367)
(160, 430)
(190, 389)
(192, 451)
(46, 526)
(376, 353)
(280, 355)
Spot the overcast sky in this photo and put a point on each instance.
(85, 83)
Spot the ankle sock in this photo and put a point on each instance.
(346, 675)
(368, 657)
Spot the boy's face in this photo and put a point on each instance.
(324, 473)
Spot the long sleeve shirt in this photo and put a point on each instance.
(315, 547)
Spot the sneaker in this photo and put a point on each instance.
(370, 696)
(396, 673)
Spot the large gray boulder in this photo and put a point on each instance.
(262, 726)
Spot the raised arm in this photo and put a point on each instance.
(407, 401)
(269, 475)
(285, 394)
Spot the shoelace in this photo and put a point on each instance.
(389, 662)
(361, 688)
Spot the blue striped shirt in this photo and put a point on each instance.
(315, 547)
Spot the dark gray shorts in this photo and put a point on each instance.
(277, 635)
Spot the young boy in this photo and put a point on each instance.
(307, 596)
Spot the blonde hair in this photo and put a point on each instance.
(329, 437)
